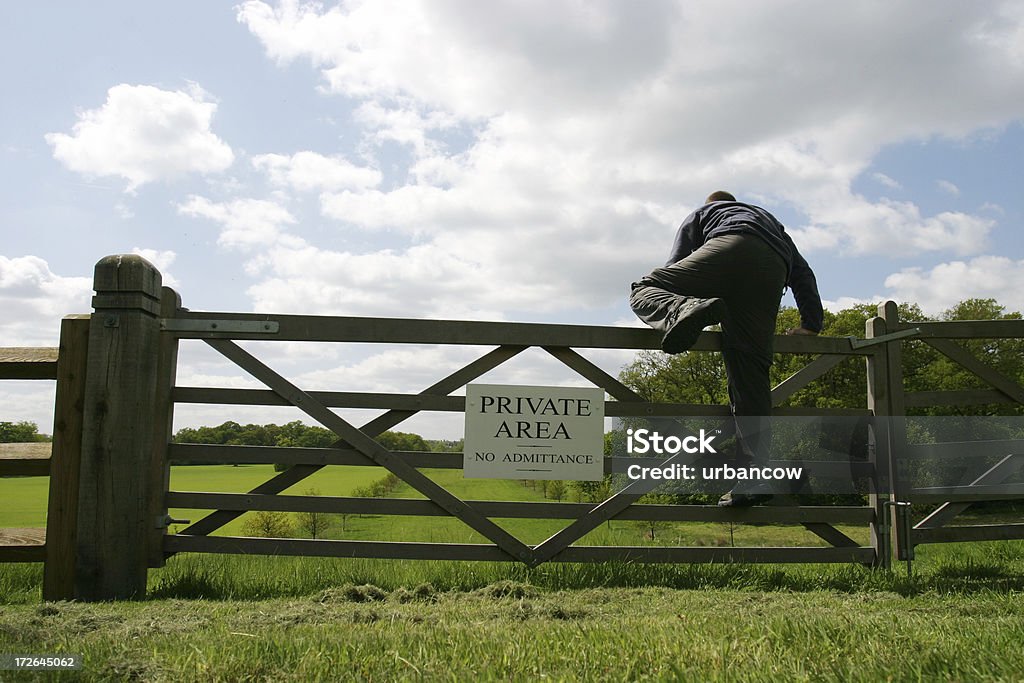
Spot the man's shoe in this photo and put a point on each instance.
(689, 319)
(743, 500)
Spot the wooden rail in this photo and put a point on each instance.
(221, 330)
(28, 363)
(54, 545)
(116, 392)
(25, 459)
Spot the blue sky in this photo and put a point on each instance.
(501, 160)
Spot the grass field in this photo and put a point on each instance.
(25, 506)
(959, 617)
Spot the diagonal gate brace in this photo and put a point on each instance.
(371, 449)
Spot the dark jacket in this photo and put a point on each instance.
(724, 218)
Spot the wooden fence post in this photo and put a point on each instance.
(897, 426)
(881, 408)
(163, 428)
(114, 498)
(65, 459)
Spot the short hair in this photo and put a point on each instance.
(720, 196)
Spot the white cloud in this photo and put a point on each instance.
(852, 223)
(886, 181)
(308, 171)
(162, 260)
(403, 125)
(142, 134)
(942, 286)
(34, 299)
(948, 187)
(574, 111)
(845, 302)
(588, 130)
(245, 223)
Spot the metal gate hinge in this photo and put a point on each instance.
(226, 326)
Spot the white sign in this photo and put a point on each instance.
(519, 432)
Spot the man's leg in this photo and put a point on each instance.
(749, 333)
(679, 318)
(682, 299)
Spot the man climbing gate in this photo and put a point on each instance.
(730, 264)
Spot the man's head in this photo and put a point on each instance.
(719, 196)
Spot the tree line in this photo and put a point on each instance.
(700, 377)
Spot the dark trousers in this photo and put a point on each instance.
(749, 276)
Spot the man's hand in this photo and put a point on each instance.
(801, 331)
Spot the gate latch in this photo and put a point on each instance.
(856, 343)
(165, 521)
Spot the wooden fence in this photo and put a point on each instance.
(56, 546)
(112, 525)
(994, 466)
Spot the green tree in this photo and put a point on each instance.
(402, 441)
(939, 373)
(557, 489)
(313, 523)
(267, 524)
(20, 432)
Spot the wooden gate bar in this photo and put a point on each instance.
(363, 443)
(215, 454)
(966, 534)
(159, 471)
(331, 399)
(967, 397)
(996, 474)
(17, 362)
(308, 328)
(790, 514)
(967, 360)
(389, 550)
(715, 555)
(581, 527)
(447, 385)
(804, 376)
(297, 473)
(829, 533)
(586, 369)
(488, 553)
(966, 329)
(435, 402)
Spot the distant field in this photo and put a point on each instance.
(25, 497)
(25, 506)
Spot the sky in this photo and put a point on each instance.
(505, 160)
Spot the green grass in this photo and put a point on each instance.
(25, 506)
(24, 501)
(959, 616)
(516, 631)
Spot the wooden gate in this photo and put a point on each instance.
(998, 463)
(131, 392)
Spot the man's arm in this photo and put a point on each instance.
(805, 291)
(686, 240)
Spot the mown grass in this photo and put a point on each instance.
(517, 631)
(959, 616)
